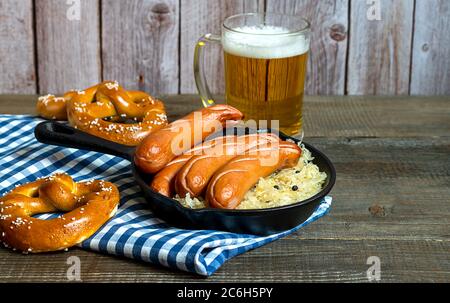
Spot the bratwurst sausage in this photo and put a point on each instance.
(229, 184)
(194, 176)
(164, 181)
(162, 146)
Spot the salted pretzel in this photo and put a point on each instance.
(101, 109)
(52, 107)
(88, 205)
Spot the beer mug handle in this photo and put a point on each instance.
(199, 73)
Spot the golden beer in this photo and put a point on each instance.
(267, 89)
(265, 58)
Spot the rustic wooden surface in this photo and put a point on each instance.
(149, 44)
(68, 51)
(391, 200)
(328, 56)
(140, 49)
(17, 68)
(431, 51)
(380, 51)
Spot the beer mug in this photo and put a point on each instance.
(266, 57)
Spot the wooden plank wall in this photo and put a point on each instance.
(17, 66)
(380, 51)
(329, 24)
(200, 17)
(149, 44)
(431, 50)
(140, 49)
(68, 51)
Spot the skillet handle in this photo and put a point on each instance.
(54, 133)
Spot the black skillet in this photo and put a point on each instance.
(260, 222)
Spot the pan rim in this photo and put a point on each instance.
(250, 212)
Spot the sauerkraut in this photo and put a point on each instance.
(283, 187)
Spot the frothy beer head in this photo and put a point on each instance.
(264, 42)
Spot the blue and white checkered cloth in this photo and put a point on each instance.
(134, 232)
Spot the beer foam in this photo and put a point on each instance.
(261, 42)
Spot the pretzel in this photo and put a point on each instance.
(88, 205)
(52, 107)
(98, 110)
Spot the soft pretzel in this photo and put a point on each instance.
(100, 109)
(231, 182)
(162, 146)
(52, 107)
(88, 205)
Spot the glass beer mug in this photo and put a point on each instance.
(266, 57)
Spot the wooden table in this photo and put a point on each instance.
(391, 200)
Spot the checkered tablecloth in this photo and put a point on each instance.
(134, 232)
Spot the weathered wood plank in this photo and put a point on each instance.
(380, 51)
(287, 260)
(387, 188)
(329, 25)
(17, 68)
(431, 51)
(199, 17)
(68, 49)
(390, 201)
(358, 116)
(140, 49)
(326, 116)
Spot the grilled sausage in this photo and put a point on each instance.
(229, 184)
(162, 146)
(164, 181)
(194, 176)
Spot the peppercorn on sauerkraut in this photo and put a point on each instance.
(284, 187)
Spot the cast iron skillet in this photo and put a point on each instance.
(260, 222)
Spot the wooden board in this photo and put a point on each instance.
(17, 67)
(430, 74)
(329, 41)
(140, 49)
(68, 50)
(380, 51)
(200, 17)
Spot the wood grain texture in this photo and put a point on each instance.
(17, 68)
(68, 50)
(288, 260)
(329, 25)
(140, 49)
(354, 116)
(430, 74)
(343, 116)
(199, 17)
(390, 201)
(380, 51)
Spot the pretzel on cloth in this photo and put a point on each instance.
(88, 205)
(100, 110)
